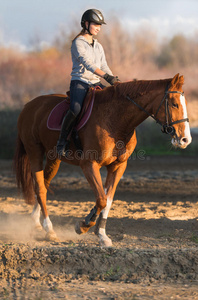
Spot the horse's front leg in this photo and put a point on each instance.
(91, 171)
(115, 172)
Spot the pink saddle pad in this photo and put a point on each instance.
(57, 114)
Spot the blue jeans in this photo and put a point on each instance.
(78, 91)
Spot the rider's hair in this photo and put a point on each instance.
(83, 31)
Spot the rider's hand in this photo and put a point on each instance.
(111, 79)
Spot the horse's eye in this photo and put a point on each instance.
(175, 105)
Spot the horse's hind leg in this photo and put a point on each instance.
(115, 172)
(41, 193)
(51, 169)
(36, 153)
(36, 216)
(42, 182)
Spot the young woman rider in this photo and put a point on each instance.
(89, 65)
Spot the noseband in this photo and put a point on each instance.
(168, 126)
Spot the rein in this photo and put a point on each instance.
(167, 127)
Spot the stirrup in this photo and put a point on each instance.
(62, 148)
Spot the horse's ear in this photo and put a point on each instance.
(175, 80)
(181, 80)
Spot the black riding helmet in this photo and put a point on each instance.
(92, 15)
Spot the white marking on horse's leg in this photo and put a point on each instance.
(105, 241)
(47, 224)
(36, 215)
(187, 134)
(106, 210)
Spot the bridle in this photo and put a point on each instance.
(168, 126)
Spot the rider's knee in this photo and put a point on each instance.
(76, 108)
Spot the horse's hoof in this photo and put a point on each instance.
(105, 243)
(81, 227)
(51, 236)
(78, 228)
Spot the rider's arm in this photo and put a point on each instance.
(99, 72)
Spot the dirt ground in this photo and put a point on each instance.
(152, 223)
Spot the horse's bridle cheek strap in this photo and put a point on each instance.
(167, 127)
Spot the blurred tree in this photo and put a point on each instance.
(145, 44)
(118, 48)
(24, 75)
(63, 39)
(179, 51)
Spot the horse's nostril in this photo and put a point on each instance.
(184, 140)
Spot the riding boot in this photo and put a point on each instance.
(67, 124)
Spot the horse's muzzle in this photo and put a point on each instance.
(181, 143)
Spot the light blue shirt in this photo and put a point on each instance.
(86, 59)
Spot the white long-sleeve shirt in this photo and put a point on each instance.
(86, 59)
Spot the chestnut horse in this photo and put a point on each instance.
(108, 139)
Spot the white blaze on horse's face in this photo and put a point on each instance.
(183, 137)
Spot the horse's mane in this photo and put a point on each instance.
(140, 87)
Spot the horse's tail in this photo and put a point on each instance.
(23, 173)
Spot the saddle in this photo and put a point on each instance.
(57, 114)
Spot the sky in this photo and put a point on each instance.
(22, 20)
